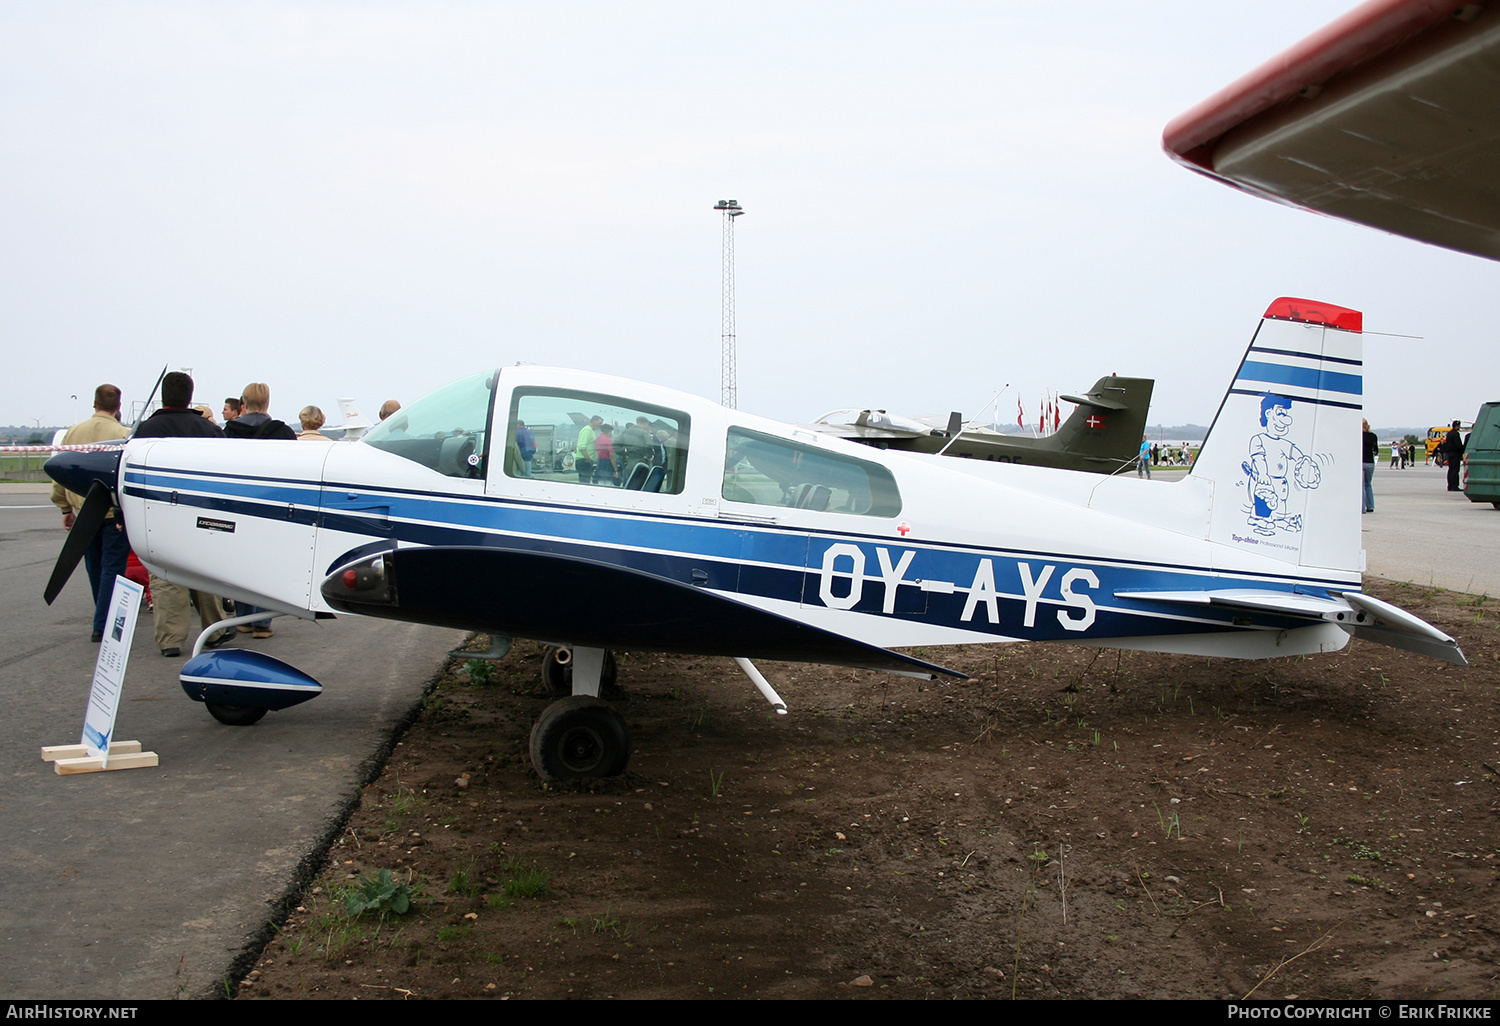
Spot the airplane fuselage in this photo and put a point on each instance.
(904, 550)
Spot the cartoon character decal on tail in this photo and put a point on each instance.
(1275, 464)
(1284, 447)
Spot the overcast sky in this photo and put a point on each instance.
(371, 199)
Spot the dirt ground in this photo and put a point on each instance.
(1070, 823)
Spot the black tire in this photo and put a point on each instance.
(235, 715)
(557, 670)
(579, 737)
(1495, 504)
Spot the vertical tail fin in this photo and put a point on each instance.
(1283, 452)
(1109, 422)
(355, 423)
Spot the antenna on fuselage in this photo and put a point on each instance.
(993, 400)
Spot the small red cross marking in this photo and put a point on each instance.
(903, 528)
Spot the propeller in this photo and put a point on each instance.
(94, 474)
(86, 527)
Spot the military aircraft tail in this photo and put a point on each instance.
(1115, 409)
(1283, 452)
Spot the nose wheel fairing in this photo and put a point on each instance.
(237, 679)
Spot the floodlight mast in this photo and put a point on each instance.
(729, 373)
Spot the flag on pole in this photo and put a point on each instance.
(1020, 414)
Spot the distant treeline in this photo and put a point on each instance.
(12, 435)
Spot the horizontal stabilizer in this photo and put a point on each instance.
(1096, 400)
(1392, 626)
(552, 597)
(1363, 616)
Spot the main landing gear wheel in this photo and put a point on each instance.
(557, 670)
(579, 737)
(235, 715)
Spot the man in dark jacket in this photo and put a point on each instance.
(1453, 454)
(172, 603)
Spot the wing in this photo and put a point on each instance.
(1389, 117)
(871, 426)
(863, 432)
(554, 597)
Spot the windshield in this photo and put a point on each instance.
(445, 430)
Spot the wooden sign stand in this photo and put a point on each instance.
(76, 759)
(104, 697)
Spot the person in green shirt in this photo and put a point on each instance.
(586, 456)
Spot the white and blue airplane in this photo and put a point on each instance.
(687, 527)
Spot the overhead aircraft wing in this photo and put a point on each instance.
(548, 595)
(1388, 117)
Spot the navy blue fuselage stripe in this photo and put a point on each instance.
(1300, 399)
(1302, 377)
(1307, 356)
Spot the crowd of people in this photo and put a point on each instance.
(246, 415)
(1169, 455)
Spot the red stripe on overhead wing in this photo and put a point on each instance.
(1364, 32)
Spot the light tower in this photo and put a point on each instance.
(730, 209)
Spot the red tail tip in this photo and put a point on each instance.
(1311, 312)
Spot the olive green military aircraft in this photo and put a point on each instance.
(1102, 436)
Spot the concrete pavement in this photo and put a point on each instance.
(149, 883)
(1423, 533)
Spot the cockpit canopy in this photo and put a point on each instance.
(445, 431)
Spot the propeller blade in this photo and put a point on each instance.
(86, 527)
